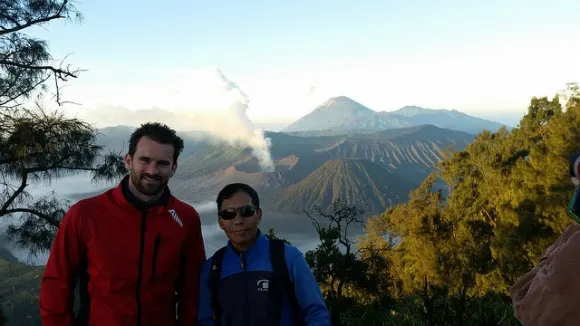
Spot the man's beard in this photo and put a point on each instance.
(146, 187)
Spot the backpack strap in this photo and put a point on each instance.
(214, 280)
(282, 277)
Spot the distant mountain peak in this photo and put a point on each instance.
(343, 103)
(413, 110)
(336, 111)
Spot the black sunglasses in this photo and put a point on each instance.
(230, 213)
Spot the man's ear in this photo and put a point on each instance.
(221, 223)
(259, 214)
(127, 160)
(173, 169)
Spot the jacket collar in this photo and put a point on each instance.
(260, 240)
(126, 199)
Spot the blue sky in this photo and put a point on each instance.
(485, 58)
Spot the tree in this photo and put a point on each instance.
(271, 234)
(342, 276)
(334, 260)
(35, 145)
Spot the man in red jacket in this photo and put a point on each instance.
(136, 249)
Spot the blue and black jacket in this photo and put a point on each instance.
(250, 293)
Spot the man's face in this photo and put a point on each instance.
(243, 227)
(151, 166)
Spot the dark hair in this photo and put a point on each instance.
(232, 189)
(158, 132)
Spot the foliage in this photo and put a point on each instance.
(272, 235)
(43, 147)
(359, 289)
(25, 62)
(19, 289)
(334, 261)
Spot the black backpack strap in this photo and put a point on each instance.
(282, 277)
(214, 280)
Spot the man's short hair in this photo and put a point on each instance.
(232, 189)
(158, 132)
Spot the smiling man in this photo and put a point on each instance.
(136, 249)
(254, 280)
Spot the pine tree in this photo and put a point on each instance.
(36, 145)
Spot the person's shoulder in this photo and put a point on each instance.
(85, 208)
(207, 263)
(185, 211)
(291, 251)
(89, 203)
(184, 207)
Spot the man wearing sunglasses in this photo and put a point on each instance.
(254, 280)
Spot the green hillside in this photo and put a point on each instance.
(19, 290)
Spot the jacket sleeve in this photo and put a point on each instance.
(187, 287)
(547, 294)
(308, 293)
(205, 317)
(59, 278)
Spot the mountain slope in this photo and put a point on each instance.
(355, 181)
(411, 152)
(450, 119)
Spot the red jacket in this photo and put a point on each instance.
(133, 265)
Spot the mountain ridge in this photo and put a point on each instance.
(343, 113)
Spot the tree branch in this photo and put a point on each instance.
(15, 194)
(314, 222)
(18, 27)
(47, 218)
(23, 92)
(56, 71)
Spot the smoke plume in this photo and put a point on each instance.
(217, 105)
